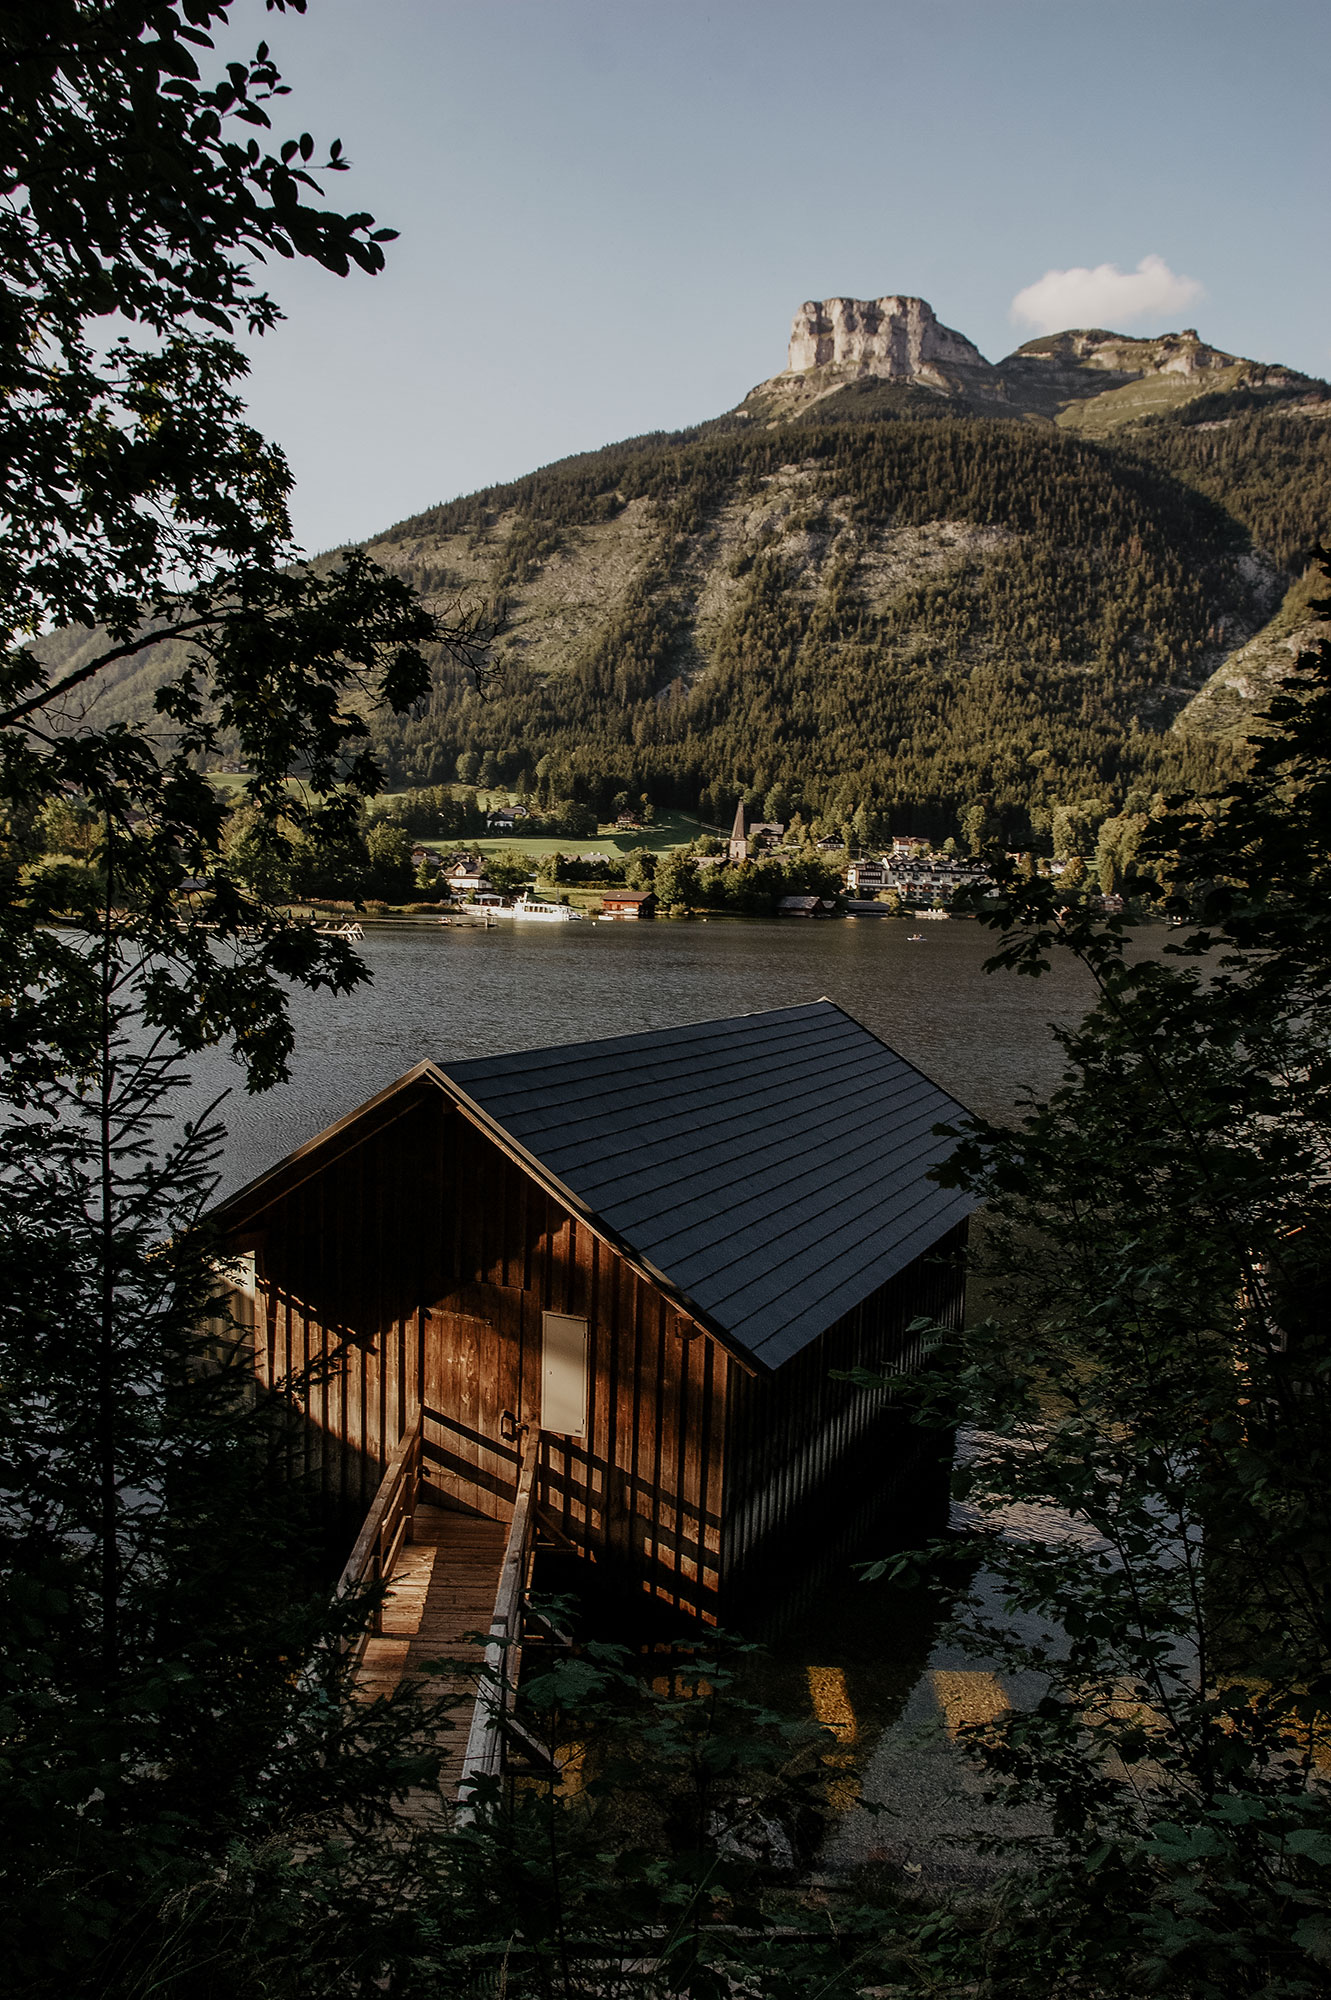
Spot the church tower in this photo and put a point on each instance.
(739, 839)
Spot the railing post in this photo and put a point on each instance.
(413, 1488)
(483, 1757)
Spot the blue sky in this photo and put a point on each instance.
(610, 209)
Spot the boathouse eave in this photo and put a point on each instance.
(242, 1211)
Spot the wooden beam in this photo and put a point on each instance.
(485, 1739)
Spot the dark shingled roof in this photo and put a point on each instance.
(772, 1167)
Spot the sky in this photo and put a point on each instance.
(611, 209)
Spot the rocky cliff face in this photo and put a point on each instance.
(840, 344)
(842, 350)
(900, 339)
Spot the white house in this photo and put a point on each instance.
(466, 878)
(866, 878)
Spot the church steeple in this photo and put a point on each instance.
(739, 839)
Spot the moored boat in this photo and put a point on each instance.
(535, 911)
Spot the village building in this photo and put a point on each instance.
(805, 906)
(539, 1279)
(629, 904)
(766, 833)
(506, 818)
(866, 877)
(932, 878)
(467, 878)
(738, 849)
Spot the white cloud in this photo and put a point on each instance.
(1104, 296)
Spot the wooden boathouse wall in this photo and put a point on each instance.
(404, 1269)
(812, 1461)
(346, 1245)
(644, 1486)
(404, 1262)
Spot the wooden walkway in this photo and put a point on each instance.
(443, 1586)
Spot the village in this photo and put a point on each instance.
(909, 877)
(754, 872)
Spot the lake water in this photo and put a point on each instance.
(866, 1661)
(450, 994)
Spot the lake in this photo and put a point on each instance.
(867, 1662)
(450, 994)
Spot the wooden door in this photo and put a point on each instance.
(471, 1381)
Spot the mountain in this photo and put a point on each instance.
(895, 576)
(843, 351)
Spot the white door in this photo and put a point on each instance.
(563, 1374)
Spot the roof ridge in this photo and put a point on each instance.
(651, 1034)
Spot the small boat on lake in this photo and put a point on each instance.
(534, 911)
(916, 937)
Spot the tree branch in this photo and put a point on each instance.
(86, 672)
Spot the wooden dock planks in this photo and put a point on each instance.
(443, 1587)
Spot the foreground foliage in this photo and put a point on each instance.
(160, 1584)
(1153, 1399)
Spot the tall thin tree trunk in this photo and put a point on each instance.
(108, 1497)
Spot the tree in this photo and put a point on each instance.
(676, 881)
(251, 854)
(975, 826)
(570, 818)
(640, 867)
(388, 849)
(1119, 839)
(155, 1596)
(509, 870)
(1158, 1244)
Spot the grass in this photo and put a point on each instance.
(668, 831)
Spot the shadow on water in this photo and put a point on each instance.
(837, 1651)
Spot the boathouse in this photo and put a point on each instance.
(644, 1263)
(628, 903)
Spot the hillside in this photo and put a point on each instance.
(876, 583)
(895, 577)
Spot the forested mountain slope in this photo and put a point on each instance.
(896, 577)
(906, 613)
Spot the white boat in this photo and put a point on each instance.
(538, 912)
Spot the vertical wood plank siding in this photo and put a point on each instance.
(642, 1490)
(811, 1461)
(343, 1261)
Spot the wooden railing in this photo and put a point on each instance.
(386, 1527)
(484, 1755)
